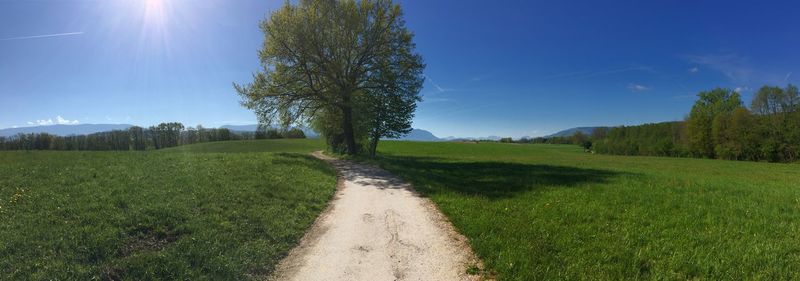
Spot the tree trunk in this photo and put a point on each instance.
(347, 126)
(373, 145)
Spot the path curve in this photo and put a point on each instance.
(377, 228)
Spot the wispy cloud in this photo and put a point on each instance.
(42, 36)
(733, 66)
(588, 74)
(438, 88)
(694, 69)
(638, 88)
(787, 77)
(58, 121)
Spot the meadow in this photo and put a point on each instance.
(231, 210)
(553, 212)
(189, 213)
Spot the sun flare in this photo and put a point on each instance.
(154, 12)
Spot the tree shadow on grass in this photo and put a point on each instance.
(491, 179)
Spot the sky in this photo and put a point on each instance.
(503, 68)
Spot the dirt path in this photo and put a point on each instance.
(377, 228)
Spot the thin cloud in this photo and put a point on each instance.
(42, 36)
(439, 89)
(638, 88)
(787, 77)
(58, 121)
(694, 69)
(741, 89)
(733, 66)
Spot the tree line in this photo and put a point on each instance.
(719, 126)
(579, 138)
(137, 138)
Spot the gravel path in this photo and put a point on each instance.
(378, 228)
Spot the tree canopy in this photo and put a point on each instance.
(719, 126)
(346, 67)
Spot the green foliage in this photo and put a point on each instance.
(660, 139)
(294, 133)
(171, 214)
(135, 138)
(719, 127)
(717, 103)
(336, 65)
(551, 212)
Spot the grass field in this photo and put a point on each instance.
(175, 214)
(304, 146)
(539, 212)
(231, 210)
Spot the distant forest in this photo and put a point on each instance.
(137, 138)
(719, 126)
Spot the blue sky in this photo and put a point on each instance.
(506, 68)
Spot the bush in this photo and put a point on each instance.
(294, 133)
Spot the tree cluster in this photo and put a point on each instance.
(347, 68)
(720, 126)
(135, 138)
(266, 132)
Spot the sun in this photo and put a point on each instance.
(154, 12)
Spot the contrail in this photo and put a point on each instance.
(42, 36)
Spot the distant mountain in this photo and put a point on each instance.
(253, 127)
(490, 138)
(65, 130)
(573, 131)
(419, 135)
(241, 128)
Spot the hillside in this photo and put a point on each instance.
(572, 131)
(419, 135)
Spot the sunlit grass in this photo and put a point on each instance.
(156, 215)
(539, 212)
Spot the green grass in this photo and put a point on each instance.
(177, 215)
(539, 212)
(277, 145)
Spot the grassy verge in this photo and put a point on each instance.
(156, 215)
(538, 212)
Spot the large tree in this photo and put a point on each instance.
(322, 60)
(715, 104)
